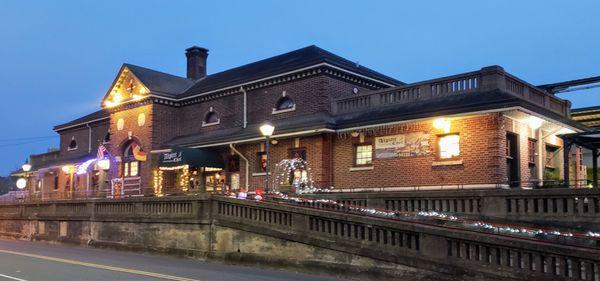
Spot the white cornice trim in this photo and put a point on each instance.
(278, 75)
(262, 138)
(460, 115)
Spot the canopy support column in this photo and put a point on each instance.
(595, 167)
(566, 151)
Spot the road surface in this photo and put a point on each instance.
(29, 261)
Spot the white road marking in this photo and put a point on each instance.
(12, 278)
(99, 266)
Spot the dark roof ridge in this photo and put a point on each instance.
(129, 65)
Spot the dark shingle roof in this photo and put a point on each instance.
(159, 82)
(452, 104)
(100, 114)
(297, 59)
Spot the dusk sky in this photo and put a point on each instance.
(58, 58)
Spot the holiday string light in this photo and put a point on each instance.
(286, 174)
(475, 225)
(184, 179)
(158, 182)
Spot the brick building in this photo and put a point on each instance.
(345, 125)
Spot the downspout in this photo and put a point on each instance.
(245, 106)
(89, 137)
(247, 165)
(87, 180)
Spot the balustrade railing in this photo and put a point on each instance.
(450, 249)
(487, 79)
(424, 244)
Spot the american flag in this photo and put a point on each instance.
(101, 151)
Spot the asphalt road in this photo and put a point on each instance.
(29, 261)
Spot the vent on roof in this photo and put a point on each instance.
(196, 62)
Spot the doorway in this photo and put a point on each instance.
(512, 160)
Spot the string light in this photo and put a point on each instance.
(158, 182)
(453, 220)
(184, 179)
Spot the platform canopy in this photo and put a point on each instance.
(194, 157)
(589, 140)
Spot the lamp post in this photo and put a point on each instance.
(267, 131)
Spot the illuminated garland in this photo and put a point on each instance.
(184, 178)
(453, 220)
(158, 182)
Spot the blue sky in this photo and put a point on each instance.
(57, 58)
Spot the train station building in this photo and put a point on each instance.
(337, 124)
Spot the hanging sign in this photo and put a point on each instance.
(404, 145)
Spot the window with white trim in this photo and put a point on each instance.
(449, 146)
(284, 104)
(363, 154)
(72, 144)
(211, 118)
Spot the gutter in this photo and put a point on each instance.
(247, 175)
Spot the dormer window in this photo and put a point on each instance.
(211, 118)
(72, 144)
(284, 104)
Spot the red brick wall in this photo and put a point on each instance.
(142, 134)
(81, 136)
(478, 144)
(315, 150)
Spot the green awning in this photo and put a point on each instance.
(194, 157)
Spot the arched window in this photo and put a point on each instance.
(131, 165)
(285, 103)
(106, 138)
(73, 144)
(211, 118)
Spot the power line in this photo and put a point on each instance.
(29, 138)
(21, 143)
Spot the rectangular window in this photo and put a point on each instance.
(363, 154)
(126, 169)
(449, 146)
(297, 153)
(551, 172)
(551, 156)
(134, 168)
(262, 162)
(532, 148)
(55, 182)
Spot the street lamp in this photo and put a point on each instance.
(21, 183)
(267, 131)
(26, 167)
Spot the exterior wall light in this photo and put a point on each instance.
(564, 131)
(534, 122)
(68, 169)
(442, 124)
(104, 164)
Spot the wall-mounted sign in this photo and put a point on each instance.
(404, 145)
(172, 157)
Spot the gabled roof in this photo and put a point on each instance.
(99, 115)
(305, 57)
(159, 82)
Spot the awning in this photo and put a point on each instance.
(193, 157)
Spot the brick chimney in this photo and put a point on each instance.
(196, 62)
